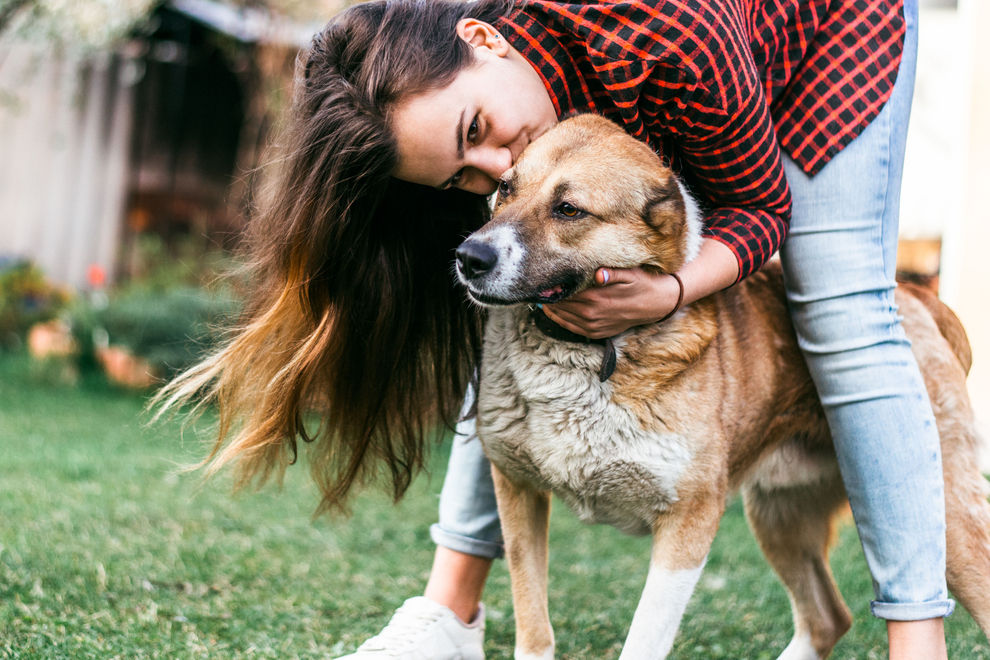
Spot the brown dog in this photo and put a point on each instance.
(715, 399)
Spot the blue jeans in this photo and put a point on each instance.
(839, 262)
(468, 517)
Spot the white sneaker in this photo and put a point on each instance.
(424, 630)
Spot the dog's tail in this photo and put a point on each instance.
(948, 323)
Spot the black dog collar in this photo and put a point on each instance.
(554, 331)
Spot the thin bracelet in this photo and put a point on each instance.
(680, 297)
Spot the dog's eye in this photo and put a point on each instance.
(504, 187)
(568, 210)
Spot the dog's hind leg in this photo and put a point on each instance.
(525, 516)
(794, 528)
(967, 514)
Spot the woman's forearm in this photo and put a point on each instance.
(715, 268)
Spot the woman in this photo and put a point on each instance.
(409, 111)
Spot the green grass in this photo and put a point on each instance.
(106, 550)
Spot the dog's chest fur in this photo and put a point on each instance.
(545, 418)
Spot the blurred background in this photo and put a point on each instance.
(130, 131)
(944, 219)
(129, 134)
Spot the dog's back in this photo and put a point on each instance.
(948, 323)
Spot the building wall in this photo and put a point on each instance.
(973, 278)
(947, 169)
(65, 129)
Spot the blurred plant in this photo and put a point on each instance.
(157, 263)
(26, 298)
(99, 25)
(169, 313)
(170, 329)
(81, 25)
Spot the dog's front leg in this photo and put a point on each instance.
(681, 540)
(525, 516)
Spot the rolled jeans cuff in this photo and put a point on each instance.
(929, 609)
(466, 544)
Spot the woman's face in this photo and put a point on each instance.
(465, 135)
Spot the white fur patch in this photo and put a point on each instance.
(800, 648)
(544, 416)
(546, 655)
(695, 223)
(659, 613)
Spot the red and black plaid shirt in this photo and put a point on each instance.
(719, 86)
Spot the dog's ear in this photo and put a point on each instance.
(665, 208)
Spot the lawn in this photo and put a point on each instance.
(107, 550)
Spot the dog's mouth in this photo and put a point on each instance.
(557, 291)
(560, 288)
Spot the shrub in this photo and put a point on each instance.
(26, 298)
(170, 328)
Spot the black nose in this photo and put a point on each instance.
(475, 259)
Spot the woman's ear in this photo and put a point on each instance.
(479, 34)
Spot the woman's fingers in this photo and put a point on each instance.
(621, 299)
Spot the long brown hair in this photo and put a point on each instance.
(354, 313)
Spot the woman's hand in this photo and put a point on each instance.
(626, 297)
(620, 299)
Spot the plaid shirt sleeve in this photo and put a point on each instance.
(726, 146)
(736, 167)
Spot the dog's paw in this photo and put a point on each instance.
(800, 648)
(529, 655)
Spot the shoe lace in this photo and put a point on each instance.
(403, 630)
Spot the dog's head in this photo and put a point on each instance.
(582, 196)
